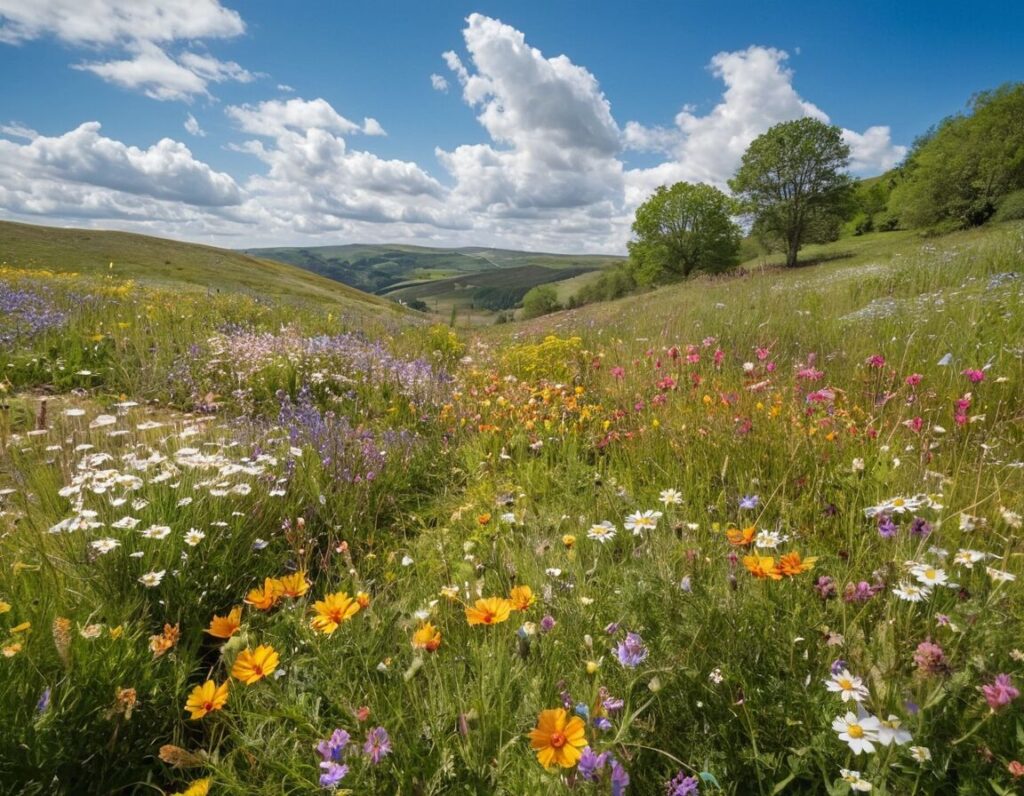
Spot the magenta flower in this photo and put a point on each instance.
(930, 659)
(913, 379)
(876, 361)
(974, 375)
(1001, 692)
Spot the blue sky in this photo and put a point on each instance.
(548, 122)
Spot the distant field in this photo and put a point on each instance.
(166, 263)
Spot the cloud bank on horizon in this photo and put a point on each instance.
(552, 176)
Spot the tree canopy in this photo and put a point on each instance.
(957, 172)
(683, 229)
(793, 183)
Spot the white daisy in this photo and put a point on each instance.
(602, 531)
(968, 558)
(157, 531)
(126, 523)
(856, 781)
(922, 754)
(859, 732)
(891, 731)
(640, 521)
(104, 546)
(769, 539)
(847, 686)
(999, 575)
(151, 579)
(194, 537)
(671, 497)
(911, 592)
(929, 575)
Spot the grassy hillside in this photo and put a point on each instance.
(383, 268)
(729, 527)
(163, 263)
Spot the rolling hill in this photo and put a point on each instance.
(173, 264)
(475, 277)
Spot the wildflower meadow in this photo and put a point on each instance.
(759, 534)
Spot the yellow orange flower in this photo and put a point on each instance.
(332, 611)
(4, 607)
(484, 518)
(762, 567)
(162, 642)
(558, 739)
(253, 666)
(489, 611)
(522, 597)
(21, 628)
(569, 541)
(266, 598)
(294, 585)
(791, 564)
(363, 599)
(226, 626)
(10, 650)
(741, 537)
(427, 637)
(207, 698)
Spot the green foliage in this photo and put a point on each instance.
(957, 173)
(539, 301)
(683, 229)
(1011, 207)
(613, 283)
(792, 182)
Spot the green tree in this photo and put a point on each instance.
(683, 229)
(793, 182)
(958, 172)
(540, 300)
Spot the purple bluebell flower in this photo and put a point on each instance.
(620, 779)
(838, 665)
(378, 744)
(886, 527)
(332, 748)
(682, 785)
(591, 763)
(547, 623)
(920, 527)
(631, 651)
(749, 502)
(44, 701)
(602, 724)
(333, 774)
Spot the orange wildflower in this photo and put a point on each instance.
(333, 610)
(791, 564)
(253, 666)
(266, 598)
(161, 643)
(207, 698)
(741, 537)
(522, 597)
(427, 637)
(294, 585)
(226, 626)
(489, 611)
(558, 739)
(762, 567)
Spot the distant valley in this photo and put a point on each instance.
(439, 279)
